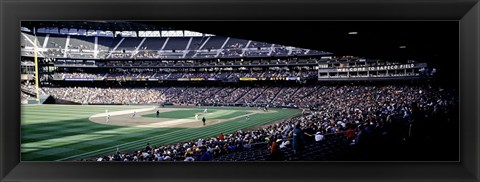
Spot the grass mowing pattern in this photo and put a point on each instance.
(49, 132)
(65, 133)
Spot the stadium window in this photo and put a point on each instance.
(108, 33)
(82, 32)
(25, 29)
(73, 31)
(126, 33)
(53, 30)
(42, 30)
(148, 33)
(172, 33)
(192, 34)
(100, 33)
(91, 33)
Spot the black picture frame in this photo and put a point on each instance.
(467, 12)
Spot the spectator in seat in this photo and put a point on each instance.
(207, 155)
(350, 133)
(189, 158)
(148, 148)
(361, 143)
(319, 136)
(309, 133)
(298, 139)
(188, 152)
(284, 144)
(221, 137)
(275, 152)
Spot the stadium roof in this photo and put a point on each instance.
(98, 25)
(434, 42)
(423, 40)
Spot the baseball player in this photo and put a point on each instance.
(205, 111)
(108, 117)
(196, 117)
(134, 112)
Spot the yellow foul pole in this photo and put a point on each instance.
(36, 67)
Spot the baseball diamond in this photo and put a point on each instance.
(69, 132)
(145, 91)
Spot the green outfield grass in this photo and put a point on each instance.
(58, 132)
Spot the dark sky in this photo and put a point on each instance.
(434, 42)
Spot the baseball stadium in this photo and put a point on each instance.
(161, 91)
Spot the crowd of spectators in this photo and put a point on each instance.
(160, 75)
(234, 95)
(268, 95)
(79, 75)
(178, 95)
(30, 88)
(120, 55)
(298, 51)
(92, 95)
(231, 53)
(308, 96)
(301, 97)
(257, 53)
(227, 94)
(74, 94)
(283, 51)
(251, 95)
(285, 97)
(367, 116)
(146, 54)
(183, 63)
(25, 96)
(298, 97)
(175, 75)
(127, 96)
(249, 74)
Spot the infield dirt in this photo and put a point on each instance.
(124, 118)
